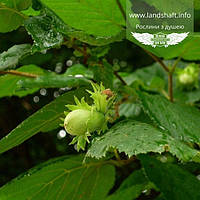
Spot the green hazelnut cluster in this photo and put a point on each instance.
(84, 119)
(188, 78)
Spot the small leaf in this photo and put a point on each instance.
(9, 59)
(129, 110)
(44, 33)
(135, 138)
(44, 120)
(62, 178)
(146, 74)
(174, 182)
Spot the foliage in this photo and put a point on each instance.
(141, 121)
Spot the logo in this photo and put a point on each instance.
(160, 39)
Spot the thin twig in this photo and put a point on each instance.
(175, 64)
(120, 78)
(17, 73)
(121, 9)
(157, 60)
(86, 56)
(170, 86)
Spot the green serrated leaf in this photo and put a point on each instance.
(9, 59)
(134, 138)
(62, 178)
(44, 120)
(181, 121)
(174, 182)
(100, 18)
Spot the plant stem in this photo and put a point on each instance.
(121, 163)
(120, 78)
(165, 94)
(121, 9)
(170, 86)
(158, 60)
(175, 64)
(169, 72)
(17, 73)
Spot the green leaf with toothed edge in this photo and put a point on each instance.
(181, 121)
(44, 120)
(99, 18)
(133, 138)
(62, 178)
